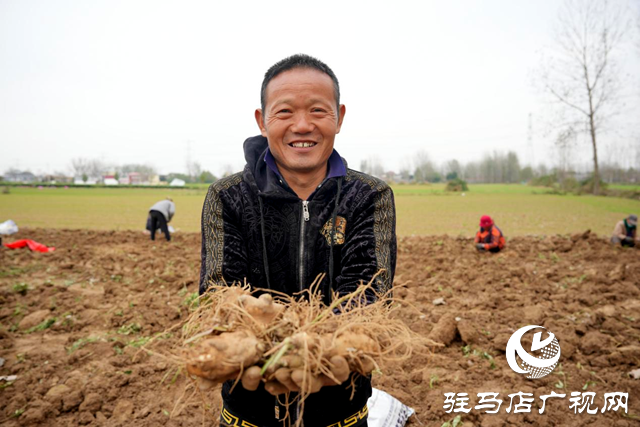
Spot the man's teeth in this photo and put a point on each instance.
(303, 144)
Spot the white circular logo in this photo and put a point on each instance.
(536, 367)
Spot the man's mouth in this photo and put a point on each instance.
(302, 144)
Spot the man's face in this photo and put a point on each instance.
(300, 120)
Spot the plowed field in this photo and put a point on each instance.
(74, 320)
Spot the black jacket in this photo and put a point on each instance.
(255, 227)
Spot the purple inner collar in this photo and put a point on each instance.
(335, 165)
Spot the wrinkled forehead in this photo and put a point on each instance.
(301, 78)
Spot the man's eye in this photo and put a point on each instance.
(318, 110)
(284, 111)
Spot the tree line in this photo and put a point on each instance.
(95, 168)
(494, 168)
(581, 74)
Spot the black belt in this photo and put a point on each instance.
(228, 418)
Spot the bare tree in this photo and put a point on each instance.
(140, 168)
(80, 167)
(86, 168)
(491, 168)
(512, 168)
(372, 166)
(194, 169)
(582, 74)
(451, 168)
(425, 170)
(565, 142)
(472, 172)
(96, 168)
(405, 169)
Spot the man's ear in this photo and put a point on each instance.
(342, 110)
(260, 122)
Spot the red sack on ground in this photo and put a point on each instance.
(32, 244)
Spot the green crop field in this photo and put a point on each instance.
(625, 187)
(98, 208)
(421, 209)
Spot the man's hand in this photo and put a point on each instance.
(480, 246)
(287, 380)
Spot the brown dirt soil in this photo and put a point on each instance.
(104, 294)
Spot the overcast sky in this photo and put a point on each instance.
(134, 81)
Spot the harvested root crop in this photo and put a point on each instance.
(219, 358)
(262, 310)
(293, 345)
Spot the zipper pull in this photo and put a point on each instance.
(305, 210)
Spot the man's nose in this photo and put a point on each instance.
(302, 124)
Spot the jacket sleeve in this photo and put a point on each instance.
(619, 231)
(495, 240)
(223, 259)
(370, 245)
(172, 211)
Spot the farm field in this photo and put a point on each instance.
(73, 323)
(421, 209)
(628, 187)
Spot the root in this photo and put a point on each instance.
(291, 344)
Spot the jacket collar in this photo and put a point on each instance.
(336, 166)
(263, 171)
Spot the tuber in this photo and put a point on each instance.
(339, 369)
(307, 382)
(283, 375)
(221, 357)
(275, 388)
(262, 309)
(251, 378)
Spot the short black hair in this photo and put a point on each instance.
(299, 60)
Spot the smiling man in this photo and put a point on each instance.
(295, 212)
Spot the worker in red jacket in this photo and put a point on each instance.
(489, 238)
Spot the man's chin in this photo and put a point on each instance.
(305, 168)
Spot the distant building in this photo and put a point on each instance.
(132, 178)
(135, 178)
(79, 181)
(392, 177)
(110, 181)
(177, 182)
(18, 176)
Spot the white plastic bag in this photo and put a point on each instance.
(387, 411)
(8, 227)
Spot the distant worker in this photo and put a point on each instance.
(160, 215)
(489, 238)
(625, 232)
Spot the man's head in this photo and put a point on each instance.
(300, 114)
(298, 61)
(632, 220)
(486, 221)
